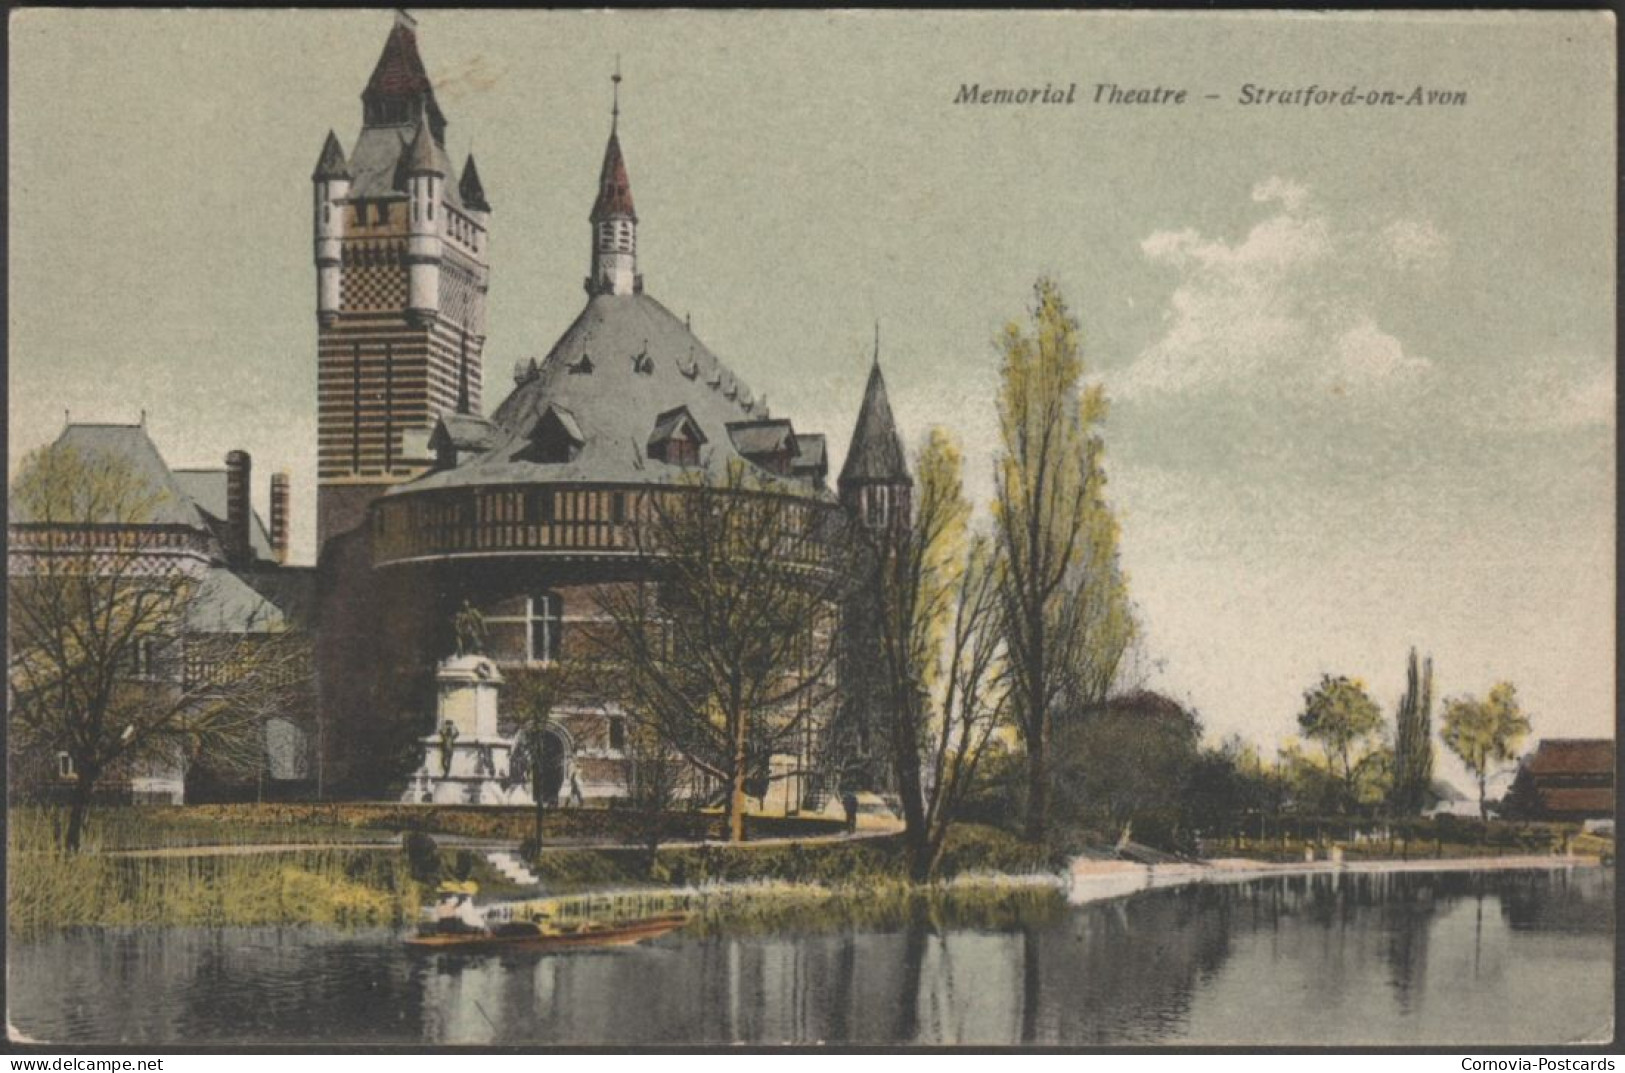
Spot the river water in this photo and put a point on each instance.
(1454, 959)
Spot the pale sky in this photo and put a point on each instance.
(1361, 357)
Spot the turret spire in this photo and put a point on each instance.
(876, 451)
(614, 218)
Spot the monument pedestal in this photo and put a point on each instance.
(465, 761)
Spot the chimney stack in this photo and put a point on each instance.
(279, 516)
(239, 512)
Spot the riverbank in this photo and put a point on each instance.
(1095, 881)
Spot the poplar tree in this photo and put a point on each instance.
(1062, 595)
(1413, 740)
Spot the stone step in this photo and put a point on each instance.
(512, 868)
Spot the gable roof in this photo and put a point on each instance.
(668, 424)
(769, 437)
(876, 451)
(130, 445)
(225, 603)
(813, 456)
(1573, 756)
(465, 432)
(206, 488)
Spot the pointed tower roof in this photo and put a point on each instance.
(876, 451)
(400, 77)
(614, 188)
(472, 191)
(400, 71)
(332, 164)
(423, 156)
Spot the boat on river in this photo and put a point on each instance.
(547, 935)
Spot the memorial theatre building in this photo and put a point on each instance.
(526, 513)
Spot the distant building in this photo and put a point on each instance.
(201, 526)
(1569, 779)
(528, 514)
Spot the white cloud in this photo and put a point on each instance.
(1415, 244)
(1282, 309)
(1367, 355)
(1552, 393)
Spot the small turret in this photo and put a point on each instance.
(426, 176)
(875, 485)
(331, 182)
(471, 189)
(614, 219)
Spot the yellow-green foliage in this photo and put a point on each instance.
(52, 889)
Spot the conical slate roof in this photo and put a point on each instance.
(332, 164)
(614, 188)
(640, 358)
(471, 189)
(876, 451)
(400, 71)
(424, 155)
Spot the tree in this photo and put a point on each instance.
(1413, 741)
(1063, 600)
(1128, 761)
(729, 652)
(121, 651)
(1485, 733)
(1343, 719)
(939, 651)
(657, 776)
(531, 694)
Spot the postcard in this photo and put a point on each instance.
(853, 528)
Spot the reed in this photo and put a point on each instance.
(49, 889)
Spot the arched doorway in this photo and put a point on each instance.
(554, 756)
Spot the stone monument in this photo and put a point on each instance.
(466, 761)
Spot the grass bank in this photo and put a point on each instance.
(1440, 842)
(865, 862)
(166, 826)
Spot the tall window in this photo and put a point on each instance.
(526, 629)
(143, 658)
(876, 503)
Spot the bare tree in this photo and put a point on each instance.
(118, 653)
(730, 650)
(939, 651)
(657, 777)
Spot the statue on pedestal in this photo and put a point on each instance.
(469, 627)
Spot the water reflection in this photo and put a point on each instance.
(1326, 959)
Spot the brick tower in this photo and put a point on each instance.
(402, 272)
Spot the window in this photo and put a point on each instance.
(617, 507)
(617, 733)
(381, 214)
(526, 629)
(541, 508)
(875, 507)
(64, 766)
(361, 214)
(143, 661)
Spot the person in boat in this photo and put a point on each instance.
(456, 912)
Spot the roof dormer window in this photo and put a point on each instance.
(556, 437)
(676, 439)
